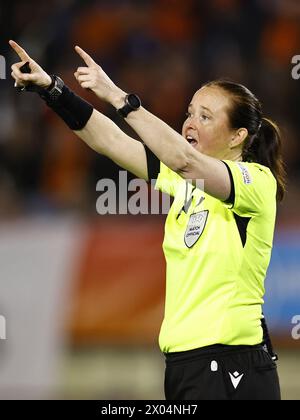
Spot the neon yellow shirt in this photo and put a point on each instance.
(217, 256)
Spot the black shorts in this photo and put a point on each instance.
(221, 373)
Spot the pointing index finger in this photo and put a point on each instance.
(19, 50)
(86, 58)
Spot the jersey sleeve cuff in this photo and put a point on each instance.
(153, 164)
(231, 199)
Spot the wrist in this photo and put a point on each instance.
(53, 91)
(49, 82)
(117, 99)
(131, 103)
(73, 110)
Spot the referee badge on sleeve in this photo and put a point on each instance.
(195, 228)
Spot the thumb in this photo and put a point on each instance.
(86, 58)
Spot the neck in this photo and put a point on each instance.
(234, 155)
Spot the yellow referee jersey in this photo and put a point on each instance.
(217, 256)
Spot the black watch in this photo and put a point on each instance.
(132, 103)
(55, 89)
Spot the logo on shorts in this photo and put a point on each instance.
(235, 378)
(195, 228)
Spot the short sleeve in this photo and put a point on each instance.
(165, 179)
(168, 181)
(153, 163)
(254, 188)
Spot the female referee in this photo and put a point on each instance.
(218, 239)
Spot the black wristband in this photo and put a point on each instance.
(74, 110)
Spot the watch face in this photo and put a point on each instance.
(134, 101)
(56, 91)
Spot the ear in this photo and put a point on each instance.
(238, 138)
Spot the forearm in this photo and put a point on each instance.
(168, 145)
(106, 138)
(175, 152)
(100, 133)
(96, 130)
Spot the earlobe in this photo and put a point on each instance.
(238, 138)
(232, 145)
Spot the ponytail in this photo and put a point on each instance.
(263, 144)
(266, 149)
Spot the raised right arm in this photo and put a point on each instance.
(98, 132)
(106, 138)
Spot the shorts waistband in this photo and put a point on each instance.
(208, 351)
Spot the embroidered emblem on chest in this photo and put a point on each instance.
(195, 227)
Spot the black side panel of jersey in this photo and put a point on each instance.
(242, 223)
(153, 164)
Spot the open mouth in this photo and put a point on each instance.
(192, 141)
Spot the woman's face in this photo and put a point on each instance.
(207, 126)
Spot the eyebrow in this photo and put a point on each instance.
(204, 107)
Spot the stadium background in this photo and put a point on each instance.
(82, 294)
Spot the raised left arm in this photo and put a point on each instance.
(175, 152)
(169, 146)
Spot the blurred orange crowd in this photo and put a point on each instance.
(161, 49)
